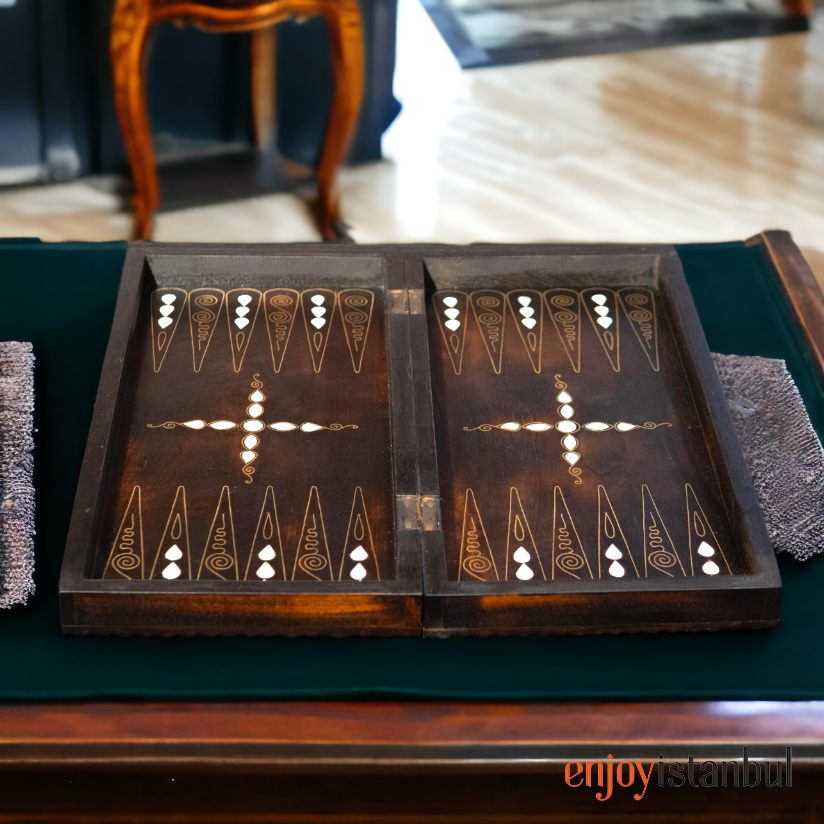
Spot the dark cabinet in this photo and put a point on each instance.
(57, 119)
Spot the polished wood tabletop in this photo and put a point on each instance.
(391, 761)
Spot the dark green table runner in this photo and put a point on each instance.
(61, 297)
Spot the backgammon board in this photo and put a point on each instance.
(316, 440)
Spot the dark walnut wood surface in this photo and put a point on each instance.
(285, 433)
(211, 474)
(588, 474)
(249, 483)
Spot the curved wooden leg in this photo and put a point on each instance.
(343, 19)
(798, 8)
(264, 63)
(131, 21)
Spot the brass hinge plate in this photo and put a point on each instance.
(406, 301)
(415, 301)
(418, 512)
(398, 301)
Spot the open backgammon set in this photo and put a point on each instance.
(407, 440)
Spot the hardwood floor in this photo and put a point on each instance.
(694, 143)
(689, 144)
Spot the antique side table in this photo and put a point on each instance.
(132, 22)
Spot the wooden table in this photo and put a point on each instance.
(410, 761)
(383, 762)
(132, 22)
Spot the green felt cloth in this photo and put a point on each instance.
(62, 296)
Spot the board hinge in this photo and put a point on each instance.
(430, 511)
(416, 301)
(418, 512)
(398, 302)
(406, 301)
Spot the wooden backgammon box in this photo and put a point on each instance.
(407, 440)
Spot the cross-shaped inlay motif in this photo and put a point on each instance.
(569, 429)
(252, 427)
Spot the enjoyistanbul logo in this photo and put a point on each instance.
(609, 774)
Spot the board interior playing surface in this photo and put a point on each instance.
(256, 446)
(569, 445)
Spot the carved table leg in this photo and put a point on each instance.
(131, 21)
(264, 78)
(798, 8)
(346, 43)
